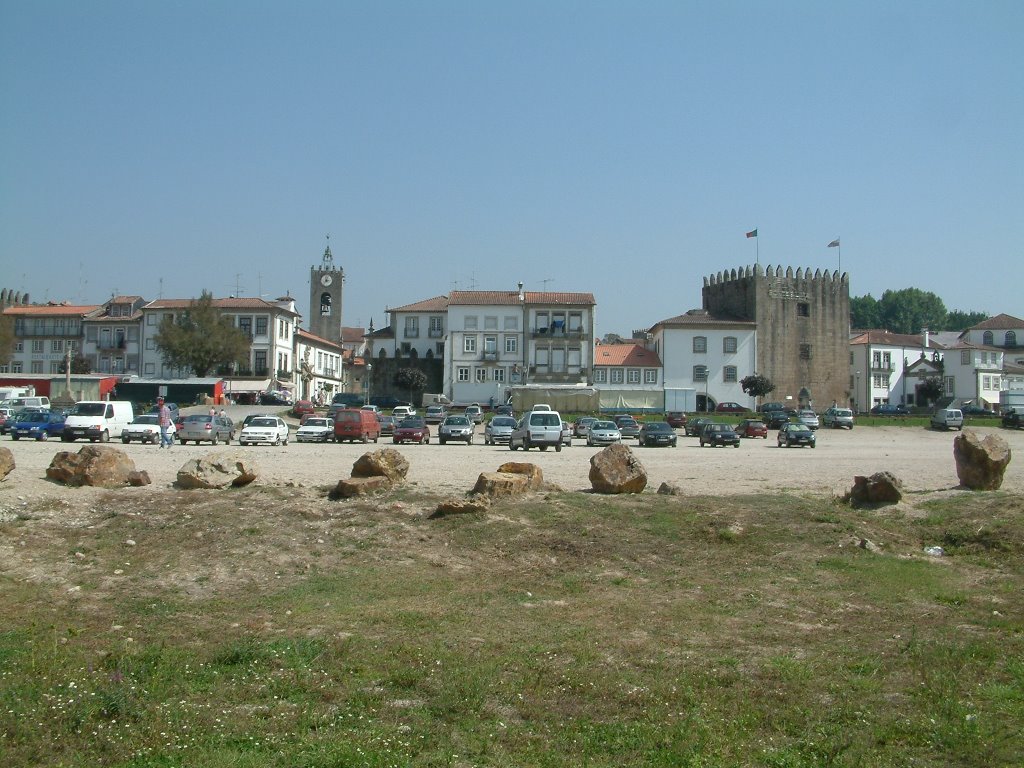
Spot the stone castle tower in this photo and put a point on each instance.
(325, 289)
(803, 327)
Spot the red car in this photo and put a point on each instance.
(731, 408)
(302, 408)
(413, 429)
(676, 419)
(752, 428)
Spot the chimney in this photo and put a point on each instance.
(924, 332)
(521, 297)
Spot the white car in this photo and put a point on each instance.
(475, 413)
(144, 428)
(808, 418)
(499, 430)
(401, 411)
(265, 429)
(317, 429)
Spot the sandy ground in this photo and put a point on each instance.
(921, 458)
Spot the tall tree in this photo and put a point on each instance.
(79, 364)
(757, 385)
(6, 338)
(201, 338)
(411, 379)
(958, 320)
(908, 310)
(864, 312)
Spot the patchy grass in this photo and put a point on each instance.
(271, 627)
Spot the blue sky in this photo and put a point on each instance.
(613, 147)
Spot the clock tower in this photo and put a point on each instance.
(325, 284)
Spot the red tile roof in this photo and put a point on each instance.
(243, 302)
(704, 319)
(1002, 322)
(895, 339)
(436, 304)
(319, 340)
(626, 354)
(352, 334)
(491, 298)
(51, 310)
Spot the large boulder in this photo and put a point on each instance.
(6, 463)
(511, 479)
(225, 469)
(95, 465)
(880, 488)
(533, 474)
(980, 462)
(360, 486)
(617, 470)
(387, 462)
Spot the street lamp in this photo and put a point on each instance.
(369, 373)
(856, 394)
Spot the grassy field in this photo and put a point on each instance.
(270, 627)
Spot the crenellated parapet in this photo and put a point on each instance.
(9, 298)
(777, 271)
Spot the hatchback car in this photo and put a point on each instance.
(435, 414)
(628, 426)
(890, 409)
(719, 434)
(457, 428)
(144, 428)
(302, 408)
(657, 433)
(795, 433)
(778, 418)
(474, 413)
(836, 417)
(265, 429)
(752, 428)
(676, 419)
(582, 426)
(6, 419)
(731, 408)
(694, 426)
(400, 412)
(37, 425)
(505, 409)
(204, 428)
(413, 429)
(603, 433)
(499, 430)
(316, 429)
(387, 425)
(809, 418)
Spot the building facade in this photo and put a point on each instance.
(113, 336)
(44, 334)
(629, 377)
(889, 367)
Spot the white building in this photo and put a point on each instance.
(415, 330)
(889, 367)
(629, 377)
(704, 358)
(973, 374)
(43, 335)
(320, 367)
(113, 334)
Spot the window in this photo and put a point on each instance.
(543, 356)
(19, 346)
(965, 357)
(986, 382)
(617, 375)
(412, 327)
(511, 323)
(150, 369)
(948, 381)
(881, 381)
(260, 362)
(463, 373)
(55, 367)
(803, 309)
(90, 333)
(151, 319)
(1010, 340)
(261, 325)
(876, 359)
(600, 375)
(805, 351)
(499, 374)
(436, 327)
(37, 346)
(575, 322)
(851, 358)
(729, 374)
(16, 367)
(150, 344)
(700, 343)
(406, 347)
(56, 345)
(469, 343)
(633, 375)
(987, 338)
(37, 366)
(481, 375)
(470, 323)
(729, 344)
(491, 345)
(887, 360)
(245, 326)
(490, 322)
(511, 344)
(439, 348)
(650, 376)
(700, 373)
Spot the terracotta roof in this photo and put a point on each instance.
(52, 310)
(243, 302)
(492, 298)
(625, 354)
(1001, 322)
(701, 318)
(352, 334)
(124, 300)
(895, 339)
(312, 337)
(436, 304)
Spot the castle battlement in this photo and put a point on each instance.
(749, 272)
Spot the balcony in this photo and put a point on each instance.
(489, 356)
(411, 333)
(554, 332)
(882, 367)
(436, 333)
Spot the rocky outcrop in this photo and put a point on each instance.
(386, 462)
(360, 486)
(880, 488)
(139, 478)
(226, 469)
(6, 463)
(511, 479)
(617, 470)
(980, 462)
(461, 506)
(95, 465)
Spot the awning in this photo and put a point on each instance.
(246, 385)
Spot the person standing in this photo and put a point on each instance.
(166, 438)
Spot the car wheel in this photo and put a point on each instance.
(125, 440)
(14, 436)
(511, 445)
(277, 440)
(469, 440)
(558, 447)
(286, 441)
(242, 442)
(442, 442)
(105, 437)
(365, 438)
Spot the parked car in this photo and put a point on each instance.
(6, 419)
(836, 417)
(387, 425)
(275, 397)
(265, 429)
(676, 419)
(795, 433)
(603, 433)
(582, 426)
(316, 429)
(413, 429)
(752, 428)
(401, 411)
(144, 428)
(1013, 419)
(356, 424)
(719, 434)
(303, 408)
(808, 417)
(628, 426)
(474, 413)
(657, 433)
(457, 428)
(435, 414)
(977, 410)
(374, 409)
(947, 418)
(767, 408)
(499, 430)
(567, 434)
(778, 418)
(387, 402)
(694, 426)
(890, 409)
(505, 409)
(205, 428)
(731, 408)
(37, 425)
(537, 428)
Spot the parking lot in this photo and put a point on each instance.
(921, 458)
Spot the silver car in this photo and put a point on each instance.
(838, 417)
(499, 430)
(202, 428)
(808, 418)
(603, 433)
(458, 428)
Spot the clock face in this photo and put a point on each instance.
(326, 280)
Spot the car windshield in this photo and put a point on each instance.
(89, 409)
(435, 409)
(658, 426)
(799, 428)
(317, 423)
(457, 421)
(411, 422)
(147, 419)
(604, 425)
(503, 421)
(263, 423)
(33, 416)
(843, 412)
(755, 424)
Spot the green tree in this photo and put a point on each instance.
(201, 338)
(79, 364)
(757, 385)
(864, 312)
(930, 389)
(411, 379)
(958, 320)
(6, 339)
(908, 310)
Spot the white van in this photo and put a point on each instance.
(97, 420)
(31, 401)
(948, 418)
(537, 428)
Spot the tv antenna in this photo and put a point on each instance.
(545, 282)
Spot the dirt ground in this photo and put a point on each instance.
(921, 458)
